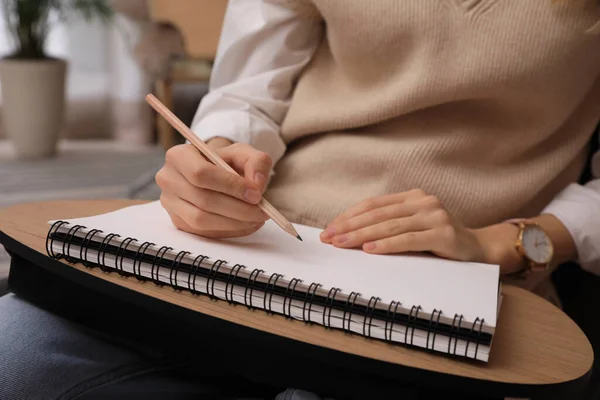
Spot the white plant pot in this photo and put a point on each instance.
(33, 104)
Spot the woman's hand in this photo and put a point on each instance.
(206, 200)
(414, 221)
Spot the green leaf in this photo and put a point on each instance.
(28, 21)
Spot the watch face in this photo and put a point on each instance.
(537, 244)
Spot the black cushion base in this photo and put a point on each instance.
(3, 286)
(579, 292)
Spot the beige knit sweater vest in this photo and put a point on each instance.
(488, 104)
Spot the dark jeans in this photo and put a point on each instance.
(43, 356)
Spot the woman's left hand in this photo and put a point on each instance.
(411, 221)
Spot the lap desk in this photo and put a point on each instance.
(533, 348)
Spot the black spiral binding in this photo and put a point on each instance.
(175, 266)
(312, 290)
(478, 340)
(391, 320)
(102, 251)
(231, 281)
(68, 241)
(369, 314)
(271, 287)
(120, 253)
(137, 260)
(288, 293)
(253, 276)
(457, 332)
(291, 287)
(454, 323)
(50, 239)
(83, 255)
(158, 258)
(213, 270)
(349, 304)
(431, 329)
(412, 326)
(194, 273)
(330, 296)
(478, 337)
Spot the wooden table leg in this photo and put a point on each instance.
(166, 134)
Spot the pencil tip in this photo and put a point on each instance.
(299, 238)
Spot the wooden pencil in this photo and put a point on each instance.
(187, 133)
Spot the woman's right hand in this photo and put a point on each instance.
(206, 200)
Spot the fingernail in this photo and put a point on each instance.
(253, 196)
(341, 239)
(328, 233)
(260, 180)
(369, 246)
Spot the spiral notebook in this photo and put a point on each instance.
(422, 301)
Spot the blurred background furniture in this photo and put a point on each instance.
(199, 23)
(178, 74)
(113, 144)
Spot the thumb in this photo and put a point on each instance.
(254, 165)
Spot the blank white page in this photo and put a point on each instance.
(470, 289)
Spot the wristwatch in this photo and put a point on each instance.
(534, 245)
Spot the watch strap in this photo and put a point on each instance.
(527, 264)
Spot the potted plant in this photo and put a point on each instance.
(33, 82)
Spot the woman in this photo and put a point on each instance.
(414, 125)
(411, 127)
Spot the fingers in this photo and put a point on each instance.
(368, 218)
(201, 221)
(377, 202)
(228, 234)
(208, 200)
(392, 227)
(226, 206)
(177, 221)
(251, 163)
(402, 222)
(180, 224)
(404, 243)
(203, 174)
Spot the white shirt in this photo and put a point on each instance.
(252, 84)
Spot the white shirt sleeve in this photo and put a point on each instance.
(578, 208)
(263, 47)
